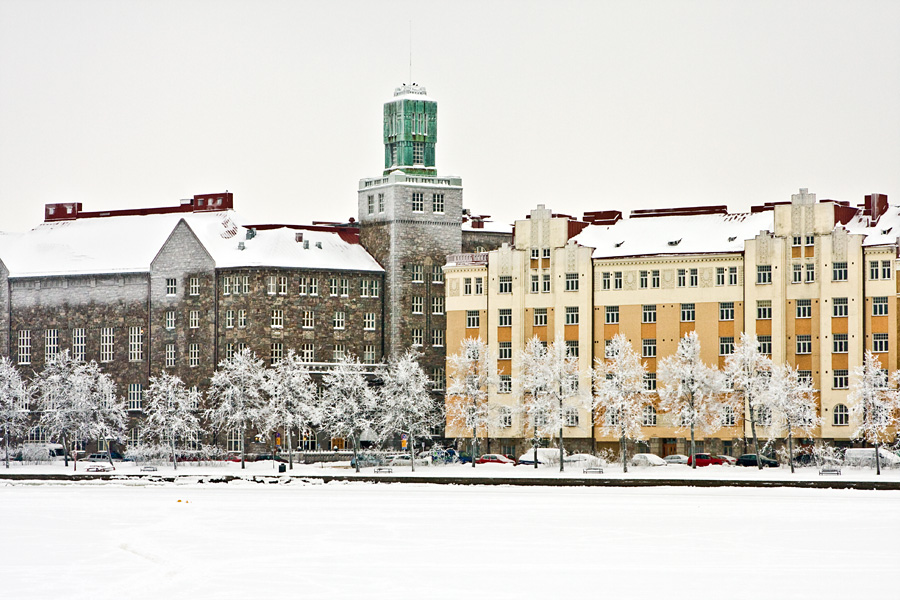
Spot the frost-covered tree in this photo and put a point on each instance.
(792, 403)
(549, 381)
(13, 402)
(750, 373)
(620, 394)
(349, 404)
(77, 401)
(691, 391)
(292, 400)
(406, 405)
(873, 405)
(236, 395)
(168, 413)
(472, 371)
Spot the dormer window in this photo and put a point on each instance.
(675, 242)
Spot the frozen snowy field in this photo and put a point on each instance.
(358, 540)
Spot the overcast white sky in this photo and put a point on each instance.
(578, 105)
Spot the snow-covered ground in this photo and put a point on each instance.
(360, 540)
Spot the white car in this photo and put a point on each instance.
(647, 460)
(545, 456)
(676, 459)
(865, 457)
(403, 460)
(585, 461)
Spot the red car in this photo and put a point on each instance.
(704, 460)
(495, 458)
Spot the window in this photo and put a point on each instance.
(643, 278)
(571, 315)
(171, 286)
(282, 286)
(546, 284)
(648, 347)
(381, 203)
(418, 152)
(611, 417)
(194, 355)
(688, 312)
(732, 275)
(728, 417)
(418, 305)
(473, 319)
(840, 307)
(345, 287)
(277, 318)
(649, 416)
(364, 287)
(617, 280)
(540, 317)
(418, 202)
(841, 414)
(571, 282)
(506, 416)
(839, 271)
(437, 274)
(535, 253)
(650, 381)
(242, 318)
(170, 355)
(437, 203)
(764, 309)
(418, 273)
(726, 311)
(78, 343)
(840, 344)
(375, 288)
(804, 309)
(612, 315)
(682, 277)
(720, 275)
(505, 284)
(570, 416)
(438, 379)
(369, 320)
(841, 379)
(226, 285)
(873, 269)
(535, 284)
(135, 344)
(371, 204)
(694, 278)
(804, 344)
(810, 272)
(797, 240)
(545, 252)
(135, 396)
(313, 283)
(309, 319)
(505, 317)
(879, 306)
(194, 319)
(885, 269)
(337, 321)
(467, 286)
(763, 274)
(235, 440)
(276, 353)
(437, 305)
(648, 313)
(796, 273)
(229, 319)
(607, 281)
(765, 344)
(572, 348)
(307, 353)
(505, 385)
(505, 351)
(337, 353)
(726, 346)
(107, 341)
(51, 344)
(303, 287)
(333, 286)
(479, 286)
(804, 377)
(194, 286)
(437, 338)
(654, 279)
(229, 350)
(369, 353)
(879, 342)
(271, 285)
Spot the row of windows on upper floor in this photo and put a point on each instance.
(417, 203)
(878, 270)
(505, 318)
(79, 343)
(278, 285)
(539, 284)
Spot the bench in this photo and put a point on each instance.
(148, 468)
(384, 470)
(101, 468)
(593, 469)
(830, 470)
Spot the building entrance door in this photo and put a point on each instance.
(668, 446)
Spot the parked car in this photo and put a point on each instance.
(103, 457)
(585, 460)
(545, 456)
(274, 457)
(726, 460)
(865, 457)
(676, 459)
(647, 460)
(494, 458)
(703, 460)
(367, 460)
(749, 460)
(404, 460)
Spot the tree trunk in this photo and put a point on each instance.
(290, 449)
(355, 440)
(693, 448)
(791, 448)
(877, 459)
(534, 446)
(759, 464)
(561, 451)
(412, 450)
(474, 444)
(174, 458)
(243, 446)
(624, 452)
(109, 454)
(65, 451)
(6, 442)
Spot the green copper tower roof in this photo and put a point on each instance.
(410, 131)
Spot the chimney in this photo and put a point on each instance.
(298, 237)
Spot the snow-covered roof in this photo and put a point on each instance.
(885, 231)
(681, 234)
(128, 244)
(489, 227)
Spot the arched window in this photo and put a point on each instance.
(841, 415)
(649, 416)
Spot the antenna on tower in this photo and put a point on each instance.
(410, 52)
